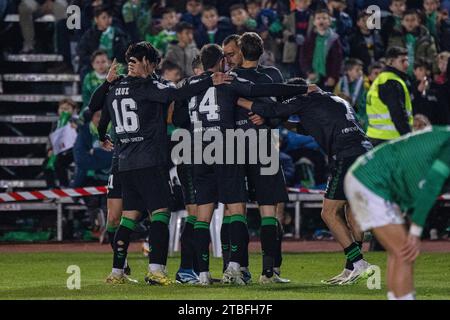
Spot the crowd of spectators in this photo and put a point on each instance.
(336, 44)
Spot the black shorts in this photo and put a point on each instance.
(223, 183)
(335, 184)
(114, 184)
(266, 190)
(185, 173)
(145, 188)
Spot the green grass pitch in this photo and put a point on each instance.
(43, 276)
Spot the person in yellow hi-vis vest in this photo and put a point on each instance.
(389, 107)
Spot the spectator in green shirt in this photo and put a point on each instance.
(100, 63)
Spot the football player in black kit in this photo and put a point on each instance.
(137, 107)
(214, 111)
(268, 190)
(331, 121)
(258, 74)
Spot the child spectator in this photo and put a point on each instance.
(296, 28)
(413, 37)
(322, 52)
(56, 166)
(185, 50)
(430, 10)
(365, 44)
(444, 30)
(240, 19)
(170, 72)
(100, 63)
(212, 29)
(193, 14)
(424, 93)
(352, 85)
(398, 8)
(266, 19)
(373, 71)
(101, 36)
(167, 35)
(137, 17)
(341, 22)
(442, 84)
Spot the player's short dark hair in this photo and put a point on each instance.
(252, 46)
(196, 62)
(351, 63)
(168, 10)
(237, 6)
(210, 8)
(180, 27)
(231, 38)
(320, 11)
(101, 9)
(297, 81)
(97, 53)
(210, 55)
(395, 52)
(167, 65)
(198, 1)
(143, 49)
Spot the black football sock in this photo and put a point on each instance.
(201, 243)
(238, 234)
(353, 254)
(111, 231)
(122, 241)
(244, 261)
(225, 240)
(268, 244)
(159, 238)
(278, 259)
(187, 250)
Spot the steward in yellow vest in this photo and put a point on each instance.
(389, 107)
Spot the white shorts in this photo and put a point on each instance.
(369, 209)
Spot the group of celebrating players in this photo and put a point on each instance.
(213, 101)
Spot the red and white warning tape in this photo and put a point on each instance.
(51, 194)
(92, 191)
(306, 190)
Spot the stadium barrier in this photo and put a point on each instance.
(300, 198)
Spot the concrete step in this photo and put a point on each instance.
(25, 118)
(33, 57)
(23, 140)
(21, 162)
(34, 98)
(40, 77)
(31, 184)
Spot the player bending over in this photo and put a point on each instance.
(404, 175)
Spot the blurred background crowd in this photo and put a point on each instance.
(328, 42)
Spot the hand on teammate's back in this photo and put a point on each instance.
(312, 88)
(107, 145)
(256, 119)
(219, 78)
